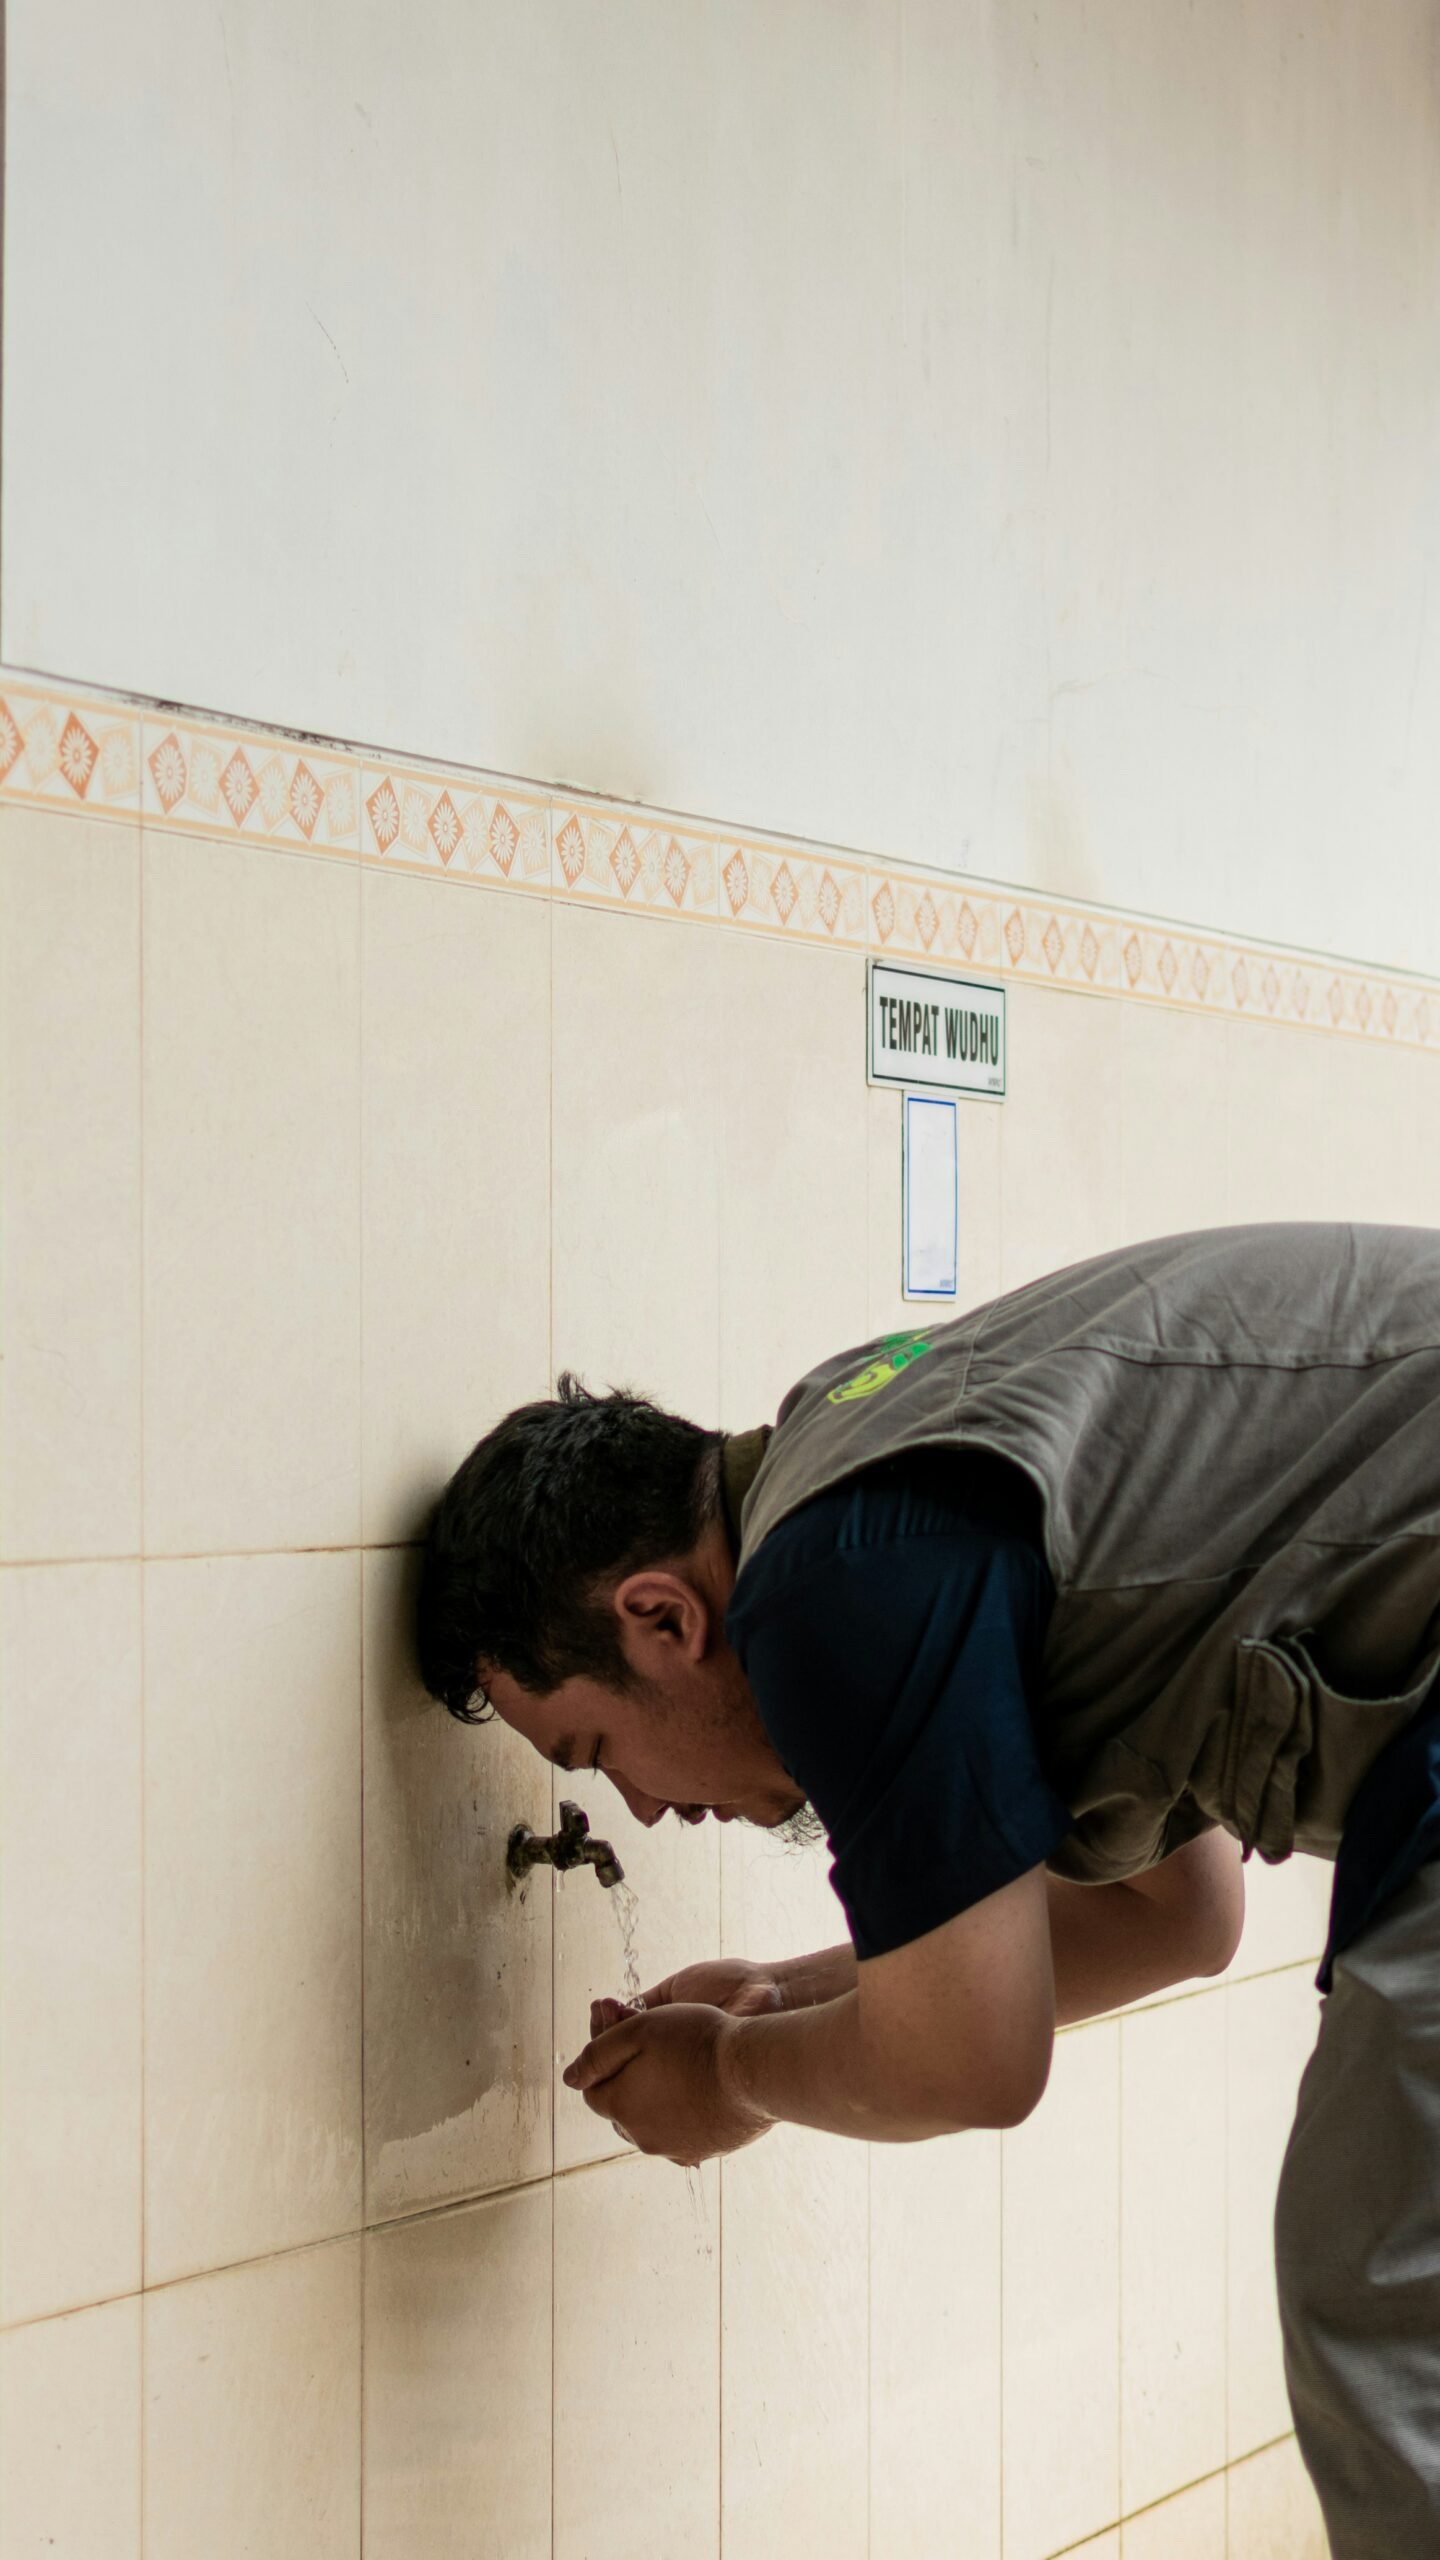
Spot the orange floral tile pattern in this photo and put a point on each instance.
(65, 747)
(452, 822)
(631, 859)
(213, 781)
(72, 751)
(960, 921)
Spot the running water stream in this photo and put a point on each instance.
(627, 1914)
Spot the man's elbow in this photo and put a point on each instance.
(1008, 2091)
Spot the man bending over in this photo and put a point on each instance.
(1048, 1612)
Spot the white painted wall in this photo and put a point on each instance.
(1006, 435)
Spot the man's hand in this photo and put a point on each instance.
(661, 2079)
(742, 1990)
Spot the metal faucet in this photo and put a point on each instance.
(570, 1846)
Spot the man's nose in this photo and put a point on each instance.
(646, 1809)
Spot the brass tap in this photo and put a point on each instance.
(570, 1846)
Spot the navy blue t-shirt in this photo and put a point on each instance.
(891, 1633)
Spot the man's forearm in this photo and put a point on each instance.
(806, 1981)
(807, 2065)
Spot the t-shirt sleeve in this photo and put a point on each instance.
(891, 1647)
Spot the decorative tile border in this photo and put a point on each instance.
(207, 780)
(68, 748)
(446, 821)
(58, 749)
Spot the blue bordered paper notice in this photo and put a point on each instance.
(932, 1196)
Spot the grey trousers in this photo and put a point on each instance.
(1357, 2240)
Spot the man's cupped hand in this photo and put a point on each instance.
(665, 2079)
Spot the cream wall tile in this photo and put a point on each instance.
(252, 2410)
(793, 1170)
(458, 2384)
(1174, 1132)
(70, 2437)
(638, 1059)
(1281, 1165)
(457, 1965)
(935, 2347)
(775, 1900)
(70, 2003)
(456, 1241)
(979, 1142)
(1172, 2247)
(1190, 2527)
(1287, 1913)
(1060, 1196)
(252, 1198)
(637, 2362)
(70, 1135)
(1381, 1120)
(1272, 2026)
(1061, 2280)
(613, 1942)
(1274, 2513)
(252, 1906)
(793, 2456)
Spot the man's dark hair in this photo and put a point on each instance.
(552, 1508)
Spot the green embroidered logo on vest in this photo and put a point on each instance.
(896, 1352)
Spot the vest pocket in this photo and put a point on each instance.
(1301, 1746)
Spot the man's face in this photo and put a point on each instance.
(661, 1752)
(685, 1733)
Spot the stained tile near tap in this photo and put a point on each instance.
(457, 2437)
(252, 1906)
(618, 1941)
(252, 2410)
(794, 2356)
(935, 2346)
(457, 1962)
(637, 2361)
(70, 2435)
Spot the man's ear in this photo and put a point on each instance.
(663, 1610)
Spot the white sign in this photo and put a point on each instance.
(933, 1030)
(932, 1196)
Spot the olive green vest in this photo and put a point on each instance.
(1235, 1438)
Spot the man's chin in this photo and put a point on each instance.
(799, 1826)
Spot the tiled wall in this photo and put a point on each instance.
(1005, 432)
(315, 1163)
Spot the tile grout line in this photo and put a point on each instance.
(1153, 2506)
(140, 877)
